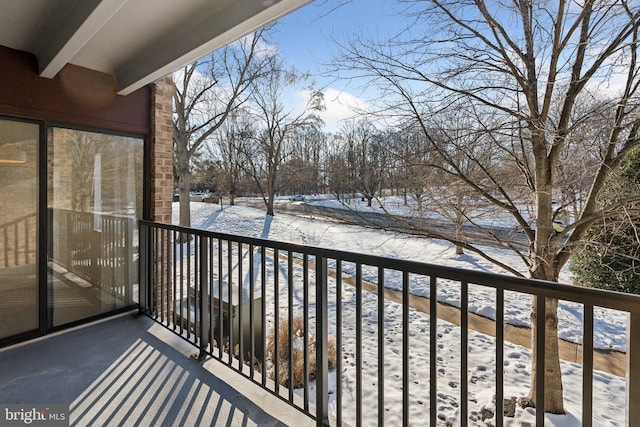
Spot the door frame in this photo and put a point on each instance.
(45, 310)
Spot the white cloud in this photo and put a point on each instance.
(263, 48)
(340, 106)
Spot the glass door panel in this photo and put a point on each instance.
(18, 227)
(94, 199)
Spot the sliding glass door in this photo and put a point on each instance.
(94, 199)
(19, 305)
(93, 196)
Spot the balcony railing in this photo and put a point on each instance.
(17, 239)
(99, 248)
(233, 297)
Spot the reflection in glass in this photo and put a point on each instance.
(94, 200)
(18, 227)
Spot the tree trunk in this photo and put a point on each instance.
(460, 219)
(459, 224)
(184, 188)
(271, 184)
(545, 268)
(270, 206)
(553, 401)
(232, 187)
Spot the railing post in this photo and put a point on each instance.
(69, 240)
(541, 306)
(143, 288)
(633, 368)
(322, 364)
(129, 265)
(204, 298)
(26, 241)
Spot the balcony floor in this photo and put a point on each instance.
(131, 371)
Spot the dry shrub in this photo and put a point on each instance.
(298, 354)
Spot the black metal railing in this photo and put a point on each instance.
(17, 241)
(99, 248)
(253, 304)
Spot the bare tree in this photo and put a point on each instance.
(364, 157)
(336, 170)
(207, 91)
(520, 69)
(303, 169)
(276, 125)
(229, 147)
(409, 172)
(86, 147)
(427, 177)
(205, 173)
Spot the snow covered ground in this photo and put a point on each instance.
(395, 205)
(610, 332)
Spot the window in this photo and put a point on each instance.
(94, 200)
(18, 227)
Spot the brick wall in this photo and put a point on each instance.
(162, 150)
(162, 185)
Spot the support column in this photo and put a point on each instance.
(162, 150)
(160, 195)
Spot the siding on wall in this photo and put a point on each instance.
(86, 98)
(76, 96)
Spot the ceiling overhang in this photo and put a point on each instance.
(136, 41)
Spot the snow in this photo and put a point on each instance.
(396, 205)
(610, 327)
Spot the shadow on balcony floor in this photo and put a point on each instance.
(131, 371)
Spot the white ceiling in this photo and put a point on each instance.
(137, 41)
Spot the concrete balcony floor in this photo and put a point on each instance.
(129, 371)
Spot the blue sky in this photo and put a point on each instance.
(304, 35)
(304, 40)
